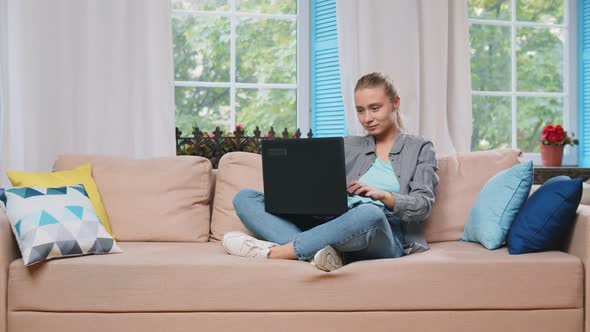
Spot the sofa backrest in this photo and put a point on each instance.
(461, 177)
(159, 199)
(183, 199)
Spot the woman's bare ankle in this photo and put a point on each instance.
(284, 251)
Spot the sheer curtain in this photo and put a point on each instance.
(3, 87)
(85, 76)
(424, 46)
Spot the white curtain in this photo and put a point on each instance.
(85, 76)
(424, 46)
(3, 86)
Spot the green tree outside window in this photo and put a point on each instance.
(535, 87)
(264, 81)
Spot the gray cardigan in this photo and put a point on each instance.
(414, 163)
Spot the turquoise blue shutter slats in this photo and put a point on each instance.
(327, 106)
(584, 82)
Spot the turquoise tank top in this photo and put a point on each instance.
(380, 175)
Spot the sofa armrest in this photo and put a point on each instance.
(579, 245)
(8, 253)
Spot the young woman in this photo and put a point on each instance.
(392, 182)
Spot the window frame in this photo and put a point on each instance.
(302, 62)
(569, 93)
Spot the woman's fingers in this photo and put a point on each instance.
(353, 186)
(362, 190)
(359, 188)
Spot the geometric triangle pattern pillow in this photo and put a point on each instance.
(55, 222)
(80, 175)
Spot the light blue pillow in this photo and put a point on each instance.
(497, 206)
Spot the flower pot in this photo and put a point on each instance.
(551, 155)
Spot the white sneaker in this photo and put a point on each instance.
(241, 244)
(327, 259)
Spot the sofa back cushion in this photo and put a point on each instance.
(236, 171)
(159, 199)
(461, 177)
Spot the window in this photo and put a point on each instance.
(241, 61)
(522, 59)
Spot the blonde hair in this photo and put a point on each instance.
(377, 79)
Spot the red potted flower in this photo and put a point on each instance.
(553, 139)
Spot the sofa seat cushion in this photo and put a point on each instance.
(170, 277)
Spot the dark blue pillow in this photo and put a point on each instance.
(557, 178)
(546, 218)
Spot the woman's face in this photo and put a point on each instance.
(375, 110)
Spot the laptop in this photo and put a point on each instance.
(304, 176)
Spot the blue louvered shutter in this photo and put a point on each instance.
(584, 82)
(327, 107)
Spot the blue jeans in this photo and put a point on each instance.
(363, 232)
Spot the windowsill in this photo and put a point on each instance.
(543, 173)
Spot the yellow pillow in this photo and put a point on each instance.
(81, 175)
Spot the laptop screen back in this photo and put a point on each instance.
(304, 176)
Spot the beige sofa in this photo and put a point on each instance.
(175, 276)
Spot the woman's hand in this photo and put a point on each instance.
(359, 188)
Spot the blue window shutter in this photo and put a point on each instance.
(584, 82)
(327, 107)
